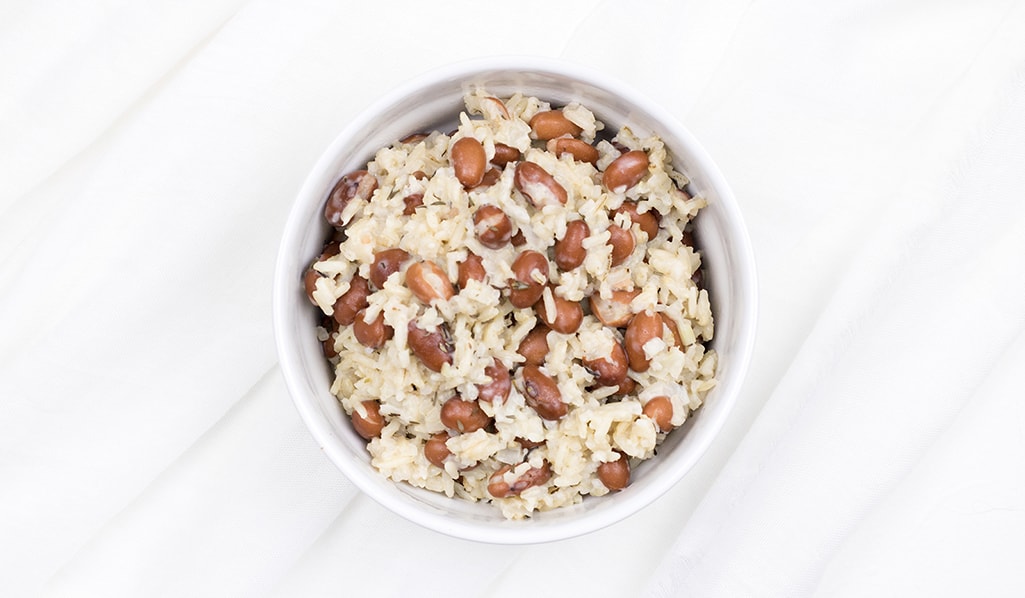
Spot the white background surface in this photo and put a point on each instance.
(148, 157)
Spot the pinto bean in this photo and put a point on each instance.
(428, 282)
(360, 184)
(673, 329)
(490, 177)
(412, 202)
(353, 300)
(538, 186)
(374, 334)
(614, 311)
(505, 154)
(386, 263)
(472, 268)
(567, 317)
(611, 369)
(436, 450)
(534, 346)
(615, 475)
(644, 326)
(491, 226)
(496, 391)
(625, 171)
(622, 242)
(524, 289)
(569, 250)
(580, 150)
(535, 476)
(469, 161)
(463, 416)
(331, 326)
(551, 124)
(660, 410)
(542, 393)
(368, 426)
(433, 348)
(648, 221)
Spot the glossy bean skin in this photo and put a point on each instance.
(370, 426)
(614, 311)
(348, 305)
(569, 250)
(433, 348)
(611, 369)
(534, 346)
(538, 185)
(386, 263)
(660, 410)
(436, 450)
(615, 475)
(463, 416)
(622, 242)
(551, 124)
(581, 151)
(472, 268)
(542, 394)
(535, 476)
(374, 334)
(469, 161)
(491, 226)
(625, 171)
(644, 326)
(524, 290)
(496, 391)
(490, 177)
(567, 317)
(505, 154)
(360, 184)
(428, 282)
(647, 221)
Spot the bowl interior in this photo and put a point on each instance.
(433, 102)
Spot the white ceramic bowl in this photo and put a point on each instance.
(433, 101)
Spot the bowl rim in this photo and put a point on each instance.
(291, 365)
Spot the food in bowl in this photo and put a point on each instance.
(513, 311)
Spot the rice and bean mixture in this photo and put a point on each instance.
(514, 310)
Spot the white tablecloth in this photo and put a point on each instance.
(149, 153)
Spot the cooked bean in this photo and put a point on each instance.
(412, 202)
(673, 329)
(360, 184)
(518, 240)
(492, 226)
(368, 426)
(371, 335)
(648, 221)
(311, 276)
(505, 154)
(436, 450)
(580, 150)
(534, 346)
(433, 348)
(535, 476)
(413, 138)
(567, 317)
(660, 410)
(626, 387)
(644, 326)
(625, 171)
(472, 268)
(428, 282)
(615, 474)
(463, 416)
(496, 391)
(622, 242)
(386, 263)
(614, 311)
(551, 124)
(542, 393)
(524, 289)
(569, 250)
(468, 160)
(490, 178)
(352, 301)
(499, 105)
(611, 369)
(331, 326)
(538, 186)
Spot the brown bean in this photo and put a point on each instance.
(412, 202)
(331, 326)
(463, 416)
(673, 329)
(433, 348)
(428, 282)
(626, 387)
(644, 326)
(534, 346)
(614, 311)
(567, 317)
(622, 242)
(524, 289)
(505, 154)
(569, 250)
(371, 425)
(500, 105)
(371, 335)
(580, 150)
(518, 240)
(611, 369)
(472, 268)
(660, 410)
(625, 171)
(352, 301)
(469, 161)
(490, 178)
(496, 391)
(491, 226)
(413, 138)
(615, 475)
(538, 186)
(542, 393)
(648, 221)
(360, 184)
(386, 263)
(535, 476)
(551, 124)
(436, 450)
(311, 276)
